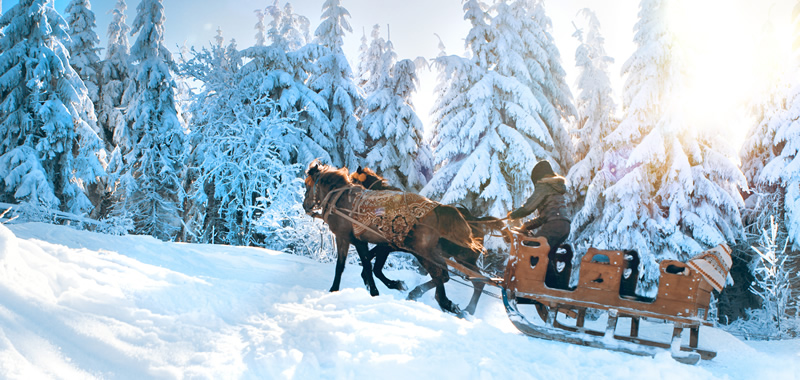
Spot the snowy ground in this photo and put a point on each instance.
(77, 304)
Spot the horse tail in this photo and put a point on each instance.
(480, 225)
(464, 256)
(490, 222)
(456, 230)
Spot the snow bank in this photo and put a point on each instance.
(76, 304)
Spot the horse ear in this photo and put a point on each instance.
(360, 169)
(313, 168)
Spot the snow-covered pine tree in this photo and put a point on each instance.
(764, 200)
(770, 154)
(287, 28)
(244, 157)
(490, 126)
(48, 150)
(453, 81)
(216, 68)
(335, 83)
(396, 148)
(83, 48)
(588, 178)
(377, 61)
(150, 189)
(261, 28)
(361, 69)
(114, 79)
(242, 146)
(673, 194)
(293, 28)
(282, 76)
(770, 158)
(83, 52)
(547, 79)
(184, 91)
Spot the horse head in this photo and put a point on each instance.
(312, 199)
(320, 180)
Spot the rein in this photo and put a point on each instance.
(486, 221)
(328, 207)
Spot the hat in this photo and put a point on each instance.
(542, 170)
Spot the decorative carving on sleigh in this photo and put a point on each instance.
(391, 213)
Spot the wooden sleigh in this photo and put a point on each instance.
(606, 282)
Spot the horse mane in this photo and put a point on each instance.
(329, 175)
(379, 183)
(369, 171)
(315, 167)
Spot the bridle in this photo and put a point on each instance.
(314, 199)
(327, 205)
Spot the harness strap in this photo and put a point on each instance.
(330, 208)
(352, 220)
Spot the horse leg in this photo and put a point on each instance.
(473, 302)
(381, 253)
(342, 245)
(476, 295)
(420, 290)
(438, 277)
(366, 267)
(441, 296)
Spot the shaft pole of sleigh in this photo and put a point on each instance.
(607, 280)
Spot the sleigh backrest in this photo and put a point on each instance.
(601, 270)
(682, 291)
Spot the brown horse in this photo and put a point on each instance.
(369, 179)
(331, 191)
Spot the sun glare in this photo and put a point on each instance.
(733, 50)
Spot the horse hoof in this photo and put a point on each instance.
(452, 308)
(398, 285)
(414, 295)
(373, 292)
(455, 310)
